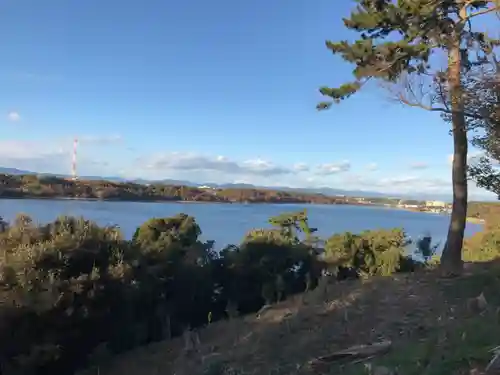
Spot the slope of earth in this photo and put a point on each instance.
(432, 323)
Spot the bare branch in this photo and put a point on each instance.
(431, 94)
(482, 12)
(415, 92)
(405, 101)
(442, 94)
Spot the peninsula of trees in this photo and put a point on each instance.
(33, 186)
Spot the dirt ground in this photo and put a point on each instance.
(415, 311)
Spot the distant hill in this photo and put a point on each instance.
(321, 190)
(332, 192)
(14, 171)
(169, 182)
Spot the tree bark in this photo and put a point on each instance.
(451, 259)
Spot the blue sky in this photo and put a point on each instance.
(218, 91)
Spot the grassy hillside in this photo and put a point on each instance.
(431, 322)
(436, 326)
(74, 295)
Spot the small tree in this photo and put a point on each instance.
(419, 28)
(291, 224)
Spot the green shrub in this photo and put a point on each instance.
(376, 252)
(57, 282)
(483, 246)
(156, 233)
(70, 287)
(268, 236)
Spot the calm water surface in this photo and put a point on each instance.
(227, 223)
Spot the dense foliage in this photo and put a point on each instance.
(483, 100)
(72, 291)
(45, 186)
(368, 253)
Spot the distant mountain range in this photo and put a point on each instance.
(321, 190)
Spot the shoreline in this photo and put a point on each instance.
(108, 200)
(476, 220)
(472, 220)
(180, 201)
(469, 219)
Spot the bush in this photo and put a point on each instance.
(156, 234)
(376, 252)
(59, 285)
(71, 285)
(483, 246)
(70, 288)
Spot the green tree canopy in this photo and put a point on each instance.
(181, 228)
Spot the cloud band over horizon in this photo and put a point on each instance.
(54, 157)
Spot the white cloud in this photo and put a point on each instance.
(334, 168)
(22, 150)
(31, 155)
(301, 167)
(263, 167)
(55, 156)
(99, 163)
(13, 116)
(413, 185)
(372, 166)
(419, 165)
(47, 156)
(397, 183)
(185, 162)
(200, 168)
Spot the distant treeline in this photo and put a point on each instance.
(32, 186)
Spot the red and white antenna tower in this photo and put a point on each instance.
(73, 163)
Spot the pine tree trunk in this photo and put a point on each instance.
(451, 260)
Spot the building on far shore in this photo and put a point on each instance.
(436, 204)
(360, 200)
(409, 203)
(438, 207)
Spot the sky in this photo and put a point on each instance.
(218, 91)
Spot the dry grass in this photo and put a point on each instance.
(414, 311)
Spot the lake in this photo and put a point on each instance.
(227, 223)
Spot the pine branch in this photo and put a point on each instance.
(424, 26)
(348, 89)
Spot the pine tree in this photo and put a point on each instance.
(396, 41)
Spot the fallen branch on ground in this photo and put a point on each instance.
(354, 353)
